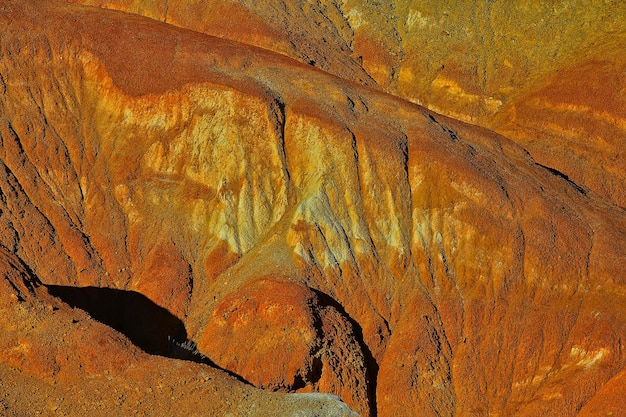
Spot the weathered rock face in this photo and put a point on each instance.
(311, 234)
(466, 57)
(271, 319)
(575, 121)
(59, 361)
(475, 60)
(316, 33)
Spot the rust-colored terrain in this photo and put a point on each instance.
(238, 209)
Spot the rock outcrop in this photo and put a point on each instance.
(549, 76)
(311, 234)
(575, 120)
(55, 360)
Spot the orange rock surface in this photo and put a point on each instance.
(321, 349)
(511, 66)
(55, 360)
(309, 233)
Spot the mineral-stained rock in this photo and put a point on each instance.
(575, 120)
(316, 343)
(166, 279)
(314, 32)
(60, 361)
(310, 234)
(548, 76)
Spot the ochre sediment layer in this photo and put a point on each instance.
(311, 234)
(546, 75)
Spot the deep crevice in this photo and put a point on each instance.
(147, 325)
(370, 361)
(313, 375)
(565, 177)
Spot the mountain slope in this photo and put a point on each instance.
(311, 234)
(549, 76)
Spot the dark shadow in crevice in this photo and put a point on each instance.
(370, 361)
(565, 177)
(147, 325)
(313, 375)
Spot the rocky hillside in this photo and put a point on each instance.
(548, 75)
(59, 361)
(308, 232)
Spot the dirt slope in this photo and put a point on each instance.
(511, 66)
(309, 233)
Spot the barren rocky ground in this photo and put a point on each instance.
(312, 208)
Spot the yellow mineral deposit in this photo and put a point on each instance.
(222, 208)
